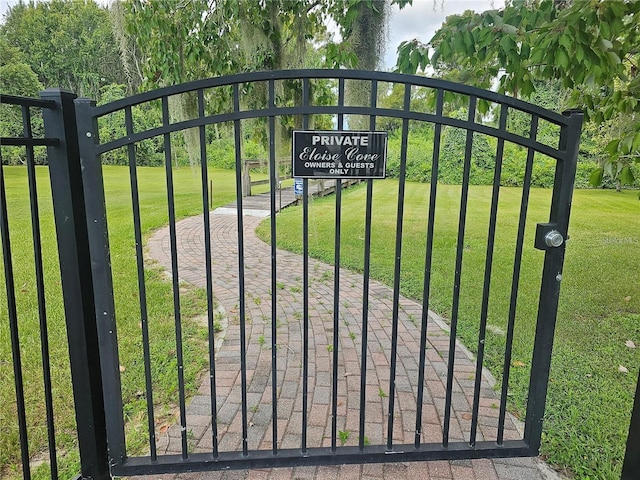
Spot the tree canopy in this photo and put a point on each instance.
(181, 41)
(591, 46)
(67, 43)
(16, 78)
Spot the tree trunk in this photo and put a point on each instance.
(367, 38)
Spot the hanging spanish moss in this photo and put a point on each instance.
(271, 43)
(185, 107)
(129, 54)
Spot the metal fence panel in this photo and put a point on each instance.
(92, 313)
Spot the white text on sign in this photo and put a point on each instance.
(326, 140)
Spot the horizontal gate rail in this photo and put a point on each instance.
(318, 456)
(475, 444)
(435, 84)
(331, 74)
(321, 110)
(27, 139)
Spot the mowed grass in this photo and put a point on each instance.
(589, 399)
(153, 201)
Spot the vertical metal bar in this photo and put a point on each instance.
(175, 278)
(515, 281)
(336, 286)
(241, 295)
(365, 283)
(551, 276)
(77, 283)
(631, 463)
(144, 317)
(458, 273)
(96, 221)
(273, 182)
(209, 275)
(305, 282)
(398, 261)
(484, 309)
(42, 308)
(13, 329)
(433, 190)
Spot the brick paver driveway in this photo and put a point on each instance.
(191, 267)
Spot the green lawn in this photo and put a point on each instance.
(160, 302)
(589, 399)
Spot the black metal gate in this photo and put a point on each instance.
(237, 102)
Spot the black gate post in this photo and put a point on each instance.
(631, 465)
(77, 285)
(551, 279)
(98, 233)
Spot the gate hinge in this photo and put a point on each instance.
(547, 236)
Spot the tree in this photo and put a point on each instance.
(16, 78)
(67, 43)
(591, 46)
(366, 33)
(183, 41)
(364, 26)
(178, 42)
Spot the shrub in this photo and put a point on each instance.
(221, 153)
(420, 151)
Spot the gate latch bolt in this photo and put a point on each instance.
(553, 239)
(547, 236)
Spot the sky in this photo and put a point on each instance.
(4, 4)
(419, 20)
(423, 18)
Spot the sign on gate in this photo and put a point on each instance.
(339, 154)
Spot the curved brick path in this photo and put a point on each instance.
(289, 365)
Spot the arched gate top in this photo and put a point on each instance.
(529, 141)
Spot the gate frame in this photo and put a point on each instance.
(94, 286)
(65, 172)
(64, 161)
